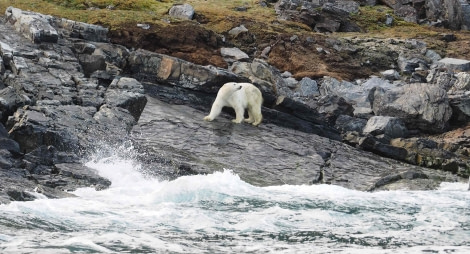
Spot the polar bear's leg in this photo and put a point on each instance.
(250, 118)
(239, 114)
(215, 111)
(255, 112)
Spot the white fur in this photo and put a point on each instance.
(239, 96)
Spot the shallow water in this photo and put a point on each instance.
(220, 213)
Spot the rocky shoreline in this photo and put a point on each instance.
(66, 93)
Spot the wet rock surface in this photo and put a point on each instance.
(174, 141)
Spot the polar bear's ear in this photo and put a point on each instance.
(237, 86)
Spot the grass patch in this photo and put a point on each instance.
(95, 12)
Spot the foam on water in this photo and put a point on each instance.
(221, 213)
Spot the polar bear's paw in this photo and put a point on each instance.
(248, 120)
(208, 118)
(236, 121)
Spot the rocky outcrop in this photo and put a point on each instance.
(453, 14)
(52, 114)
(182, 11)
(263, 156)
(322, 16)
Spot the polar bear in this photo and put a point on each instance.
(239, 96)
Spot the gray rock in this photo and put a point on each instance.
(389, 20)
(463, 81)
(34, 26)
(126, 93)
(231, 55)
(442, 78)
(75, 29)
(279, 155)
(385, 128)
(323, 16)
(308, 87)
(357, 95)
(237, 30)
(409, 63)
(345, 123)
(460, 102)
(433, 55)
(149, 66)
(390, 75)
(183, 11)
(291, 82)
(420, 105)
(455, 64)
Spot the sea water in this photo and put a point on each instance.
(220, 213)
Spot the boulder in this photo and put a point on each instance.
(126, 93)
(149, 66)
(231, 55)
(346, 123)
(308, 88)
(460, 103)
(358, 95)
(80, 30)
(390, 75)
(455, 64)
(33, 26)
(462, 82)
(182, 11)
(237, 30)
(420, 105)
(323, 16)
(385, 128)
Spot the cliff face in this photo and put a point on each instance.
(67, 93)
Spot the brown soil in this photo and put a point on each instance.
(187, 41)
(308, 55)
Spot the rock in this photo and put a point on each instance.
(360, 96)
(409, 63)
(92, 63)
(390, 75)
(237, 30)
(385, 128)
(432, 154)
(460, 103)
(183, 11)
(80, 30)
(463, 81)
(455, 64)
(291, 82)
(308, 87)
(346, 123)
(149, 66)
(389, 20)
(320, 15)
(11, 100)
(444, 79)
(231, 55)
(280, 155)
(449, 37)
(433, 55)
(34, 26)
(270, 79)
(420, 105)
(332, 106)
(126, 93)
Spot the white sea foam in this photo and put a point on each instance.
(221, 213)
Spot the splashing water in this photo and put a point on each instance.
(221, 213)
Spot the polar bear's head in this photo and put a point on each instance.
(231, 87)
